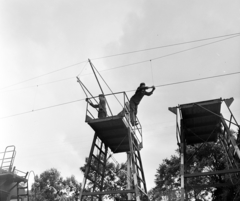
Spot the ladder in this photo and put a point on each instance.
(95, 170)
(22, 189)
(7, 159)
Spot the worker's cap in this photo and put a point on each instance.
(142, 84)
(102, 95)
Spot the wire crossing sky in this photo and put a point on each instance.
(157, 86)
(183, 43)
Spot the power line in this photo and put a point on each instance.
(114, 55)
(163, 85)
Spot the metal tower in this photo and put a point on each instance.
(201, 123)
(114, 134)
(13, 182)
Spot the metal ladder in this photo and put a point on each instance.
(96, 169)
(8, 158)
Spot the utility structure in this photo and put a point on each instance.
(200, 123)
(13, 182)
(113, 134)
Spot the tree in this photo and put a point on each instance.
(39, 190)
(209, 157)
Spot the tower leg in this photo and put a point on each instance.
(88, 166)
(94, 175)
(129, 175)
(137, 169)
(182, 171)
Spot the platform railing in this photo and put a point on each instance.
(232, 122)
(7, 158)
(231, 132)
(118, 105)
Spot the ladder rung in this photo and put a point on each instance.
(7, 158)
(142, 190)
(100, 173)
(22, 195)
(22, 187)
(140, 179)
(98, 160)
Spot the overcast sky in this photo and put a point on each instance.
(40, 37)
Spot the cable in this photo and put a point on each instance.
(38, 85)
(152, 71)
(43, 108)
(163, 85)
(167, 55)
(193, 80)
(122, 65)
(108, 86)
(82, 69)
(159, 47)
(235, 34)
(42, 75)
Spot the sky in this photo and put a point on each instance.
(44, 45)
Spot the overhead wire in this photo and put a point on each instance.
(164, 46)
(34, 98)
(92, 66)
(152, 71)
(82, 69)
(146, 49)
(163, 85)
(43, 108)
(42, 75)
(122, 66)
(167, 55)
(46, 83)
(193, 80)
(107, 85)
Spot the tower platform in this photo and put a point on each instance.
(11, 179)
(114, 134)
(199, 125)
(113, 131)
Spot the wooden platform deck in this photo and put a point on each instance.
(113, 131)
(198, 122)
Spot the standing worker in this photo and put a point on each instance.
(102, 111)
(135, 100)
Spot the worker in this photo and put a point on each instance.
(135, 100)
(102, 111)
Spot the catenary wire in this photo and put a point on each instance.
(42, 75)
(167, 55)
(163, 85)
(37, 85)
(108, 86)
(193, 80)
(43, 108)
(122, 66)
(164, 46)
(235, 34)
